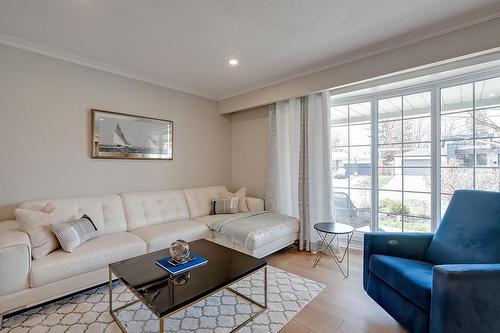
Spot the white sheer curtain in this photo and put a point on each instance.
(299, 172)
(283, 157)
(318, 199)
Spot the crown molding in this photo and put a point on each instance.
(453, 24)
(95, 64)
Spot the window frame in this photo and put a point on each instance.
(434, 87)
(348, 147)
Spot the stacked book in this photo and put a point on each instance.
(194, 260)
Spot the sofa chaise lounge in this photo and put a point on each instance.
(131, 224)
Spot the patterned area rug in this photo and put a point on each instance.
(88, 311)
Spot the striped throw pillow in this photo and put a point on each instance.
(73, 234)
(225, 206)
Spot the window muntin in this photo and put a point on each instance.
(404, 163)
(470, 138)
(351, 164)
(467, 149)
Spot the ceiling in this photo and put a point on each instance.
(186, 44)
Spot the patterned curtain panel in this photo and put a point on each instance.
(270, 199)
(318, 172)
(283, 157)
(303, 181)
(299, 172)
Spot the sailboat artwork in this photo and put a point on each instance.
(119, 137)
(123, 136)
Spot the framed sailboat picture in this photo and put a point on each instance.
(124, 136)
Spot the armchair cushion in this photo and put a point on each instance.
(397, 244)
(411, 278)
(469, 230)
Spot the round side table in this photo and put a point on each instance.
(334, 231)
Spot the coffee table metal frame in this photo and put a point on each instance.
(161, 319)
(326, 247)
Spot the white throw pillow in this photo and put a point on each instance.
(37, 225)
(241, 194)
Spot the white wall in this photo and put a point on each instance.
(45, 128)
(44, 124)
(374, 63)
(249, 128)
(249, 149)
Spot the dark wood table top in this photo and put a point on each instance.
(159, 291)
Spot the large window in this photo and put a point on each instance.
(351, 158)
(404, 163)
(420, 144)
(470, 138)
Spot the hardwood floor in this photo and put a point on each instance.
(343, 306)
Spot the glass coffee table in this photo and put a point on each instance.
(334, 231)
(164, 295)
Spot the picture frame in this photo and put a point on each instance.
(117, 135)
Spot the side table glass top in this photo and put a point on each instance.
(334, 228)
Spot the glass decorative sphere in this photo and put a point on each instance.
(179, 250)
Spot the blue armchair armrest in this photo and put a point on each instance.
(465, 298)
(398, 244)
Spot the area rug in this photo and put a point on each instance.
(88, 311)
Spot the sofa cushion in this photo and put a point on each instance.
(252, 231)
(150, 208)
(207, 219)
(91, 256)
(262, 236)
(160, 236)
(106, 211)
(469, 231)
(199, 199)
(411, 278)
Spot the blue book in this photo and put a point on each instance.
(194, 261)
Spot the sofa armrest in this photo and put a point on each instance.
(465, 298)
(397, 244)
(255, 204)
(15, 258)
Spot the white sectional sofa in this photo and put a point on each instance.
(132, 224)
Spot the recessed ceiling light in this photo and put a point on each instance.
(492, 95)
(233, 62)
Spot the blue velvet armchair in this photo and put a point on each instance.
(443, 282)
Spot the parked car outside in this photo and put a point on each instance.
(340, 174)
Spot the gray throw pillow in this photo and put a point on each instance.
(73, 234)
(225, 206)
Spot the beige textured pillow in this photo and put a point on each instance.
(242, 194)
(37, 225)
